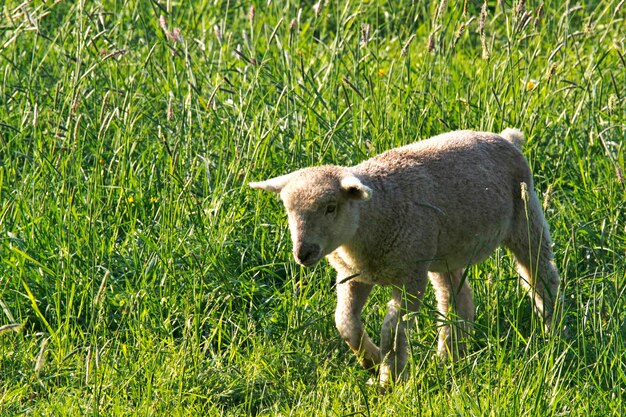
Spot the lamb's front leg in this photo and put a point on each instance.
(351, 297)
(394, 348)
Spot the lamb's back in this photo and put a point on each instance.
(457, 190)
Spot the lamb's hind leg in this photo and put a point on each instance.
(530, 243)
(394, 347)
(452, 290)
(351, 297)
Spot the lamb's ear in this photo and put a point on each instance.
(355, 189)
(274, 185)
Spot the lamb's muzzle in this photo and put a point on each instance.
(308, 254)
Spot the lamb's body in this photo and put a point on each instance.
(432, 209)
(446, 202)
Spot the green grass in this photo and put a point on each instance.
(148, 279)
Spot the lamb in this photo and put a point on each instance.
(428, 209)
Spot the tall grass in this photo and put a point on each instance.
(140, 276)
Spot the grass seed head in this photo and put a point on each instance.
(551, 71)
(459, 33)
(15, 327)
(612, 103)
(520, 8)
(41, 357)
(173, 36)
(524, 189)
(170, 110)
(481, 29)
(524, 21)
(218, 32)
(483, 18)
(547, 197)
(430, 44)
(365, 34)
(251, 13)
(176, 36)
(317, 8)
(619, 174)
(538, 16)
(485, 48)
(441, 9)
(405, 48)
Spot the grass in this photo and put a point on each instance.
(140, 276)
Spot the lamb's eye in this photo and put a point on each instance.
(331, 208)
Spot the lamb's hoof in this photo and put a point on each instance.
(382, 386)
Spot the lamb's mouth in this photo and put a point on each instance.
(308, 262)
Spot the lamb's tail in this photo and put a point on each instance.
(515, 136)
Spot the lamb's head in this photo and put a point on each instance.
(322, 205)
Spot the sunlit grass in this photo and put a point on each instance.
(140, 276)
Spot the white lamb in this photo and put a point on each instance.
(429, 209)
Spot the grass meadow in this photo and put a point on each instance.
(139, 275)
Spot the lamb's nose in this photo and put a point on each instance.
(308, 254)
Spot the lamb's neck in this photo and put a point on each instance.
(377, 229)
